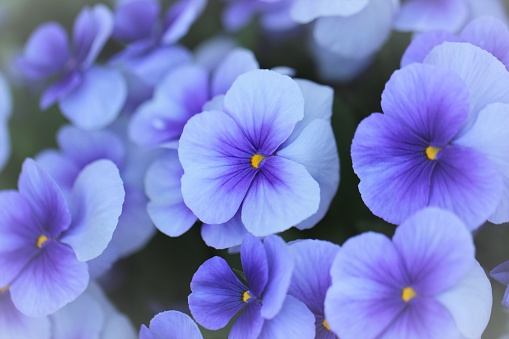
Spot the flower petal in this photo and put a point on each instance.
(98, 99)
(216, 294)
(60, 89)
(311, 275)
(470, 302)
(179, 18)
(52, 279)
(166, 207)
(422, 44)
(237, 62)
(293, 321)
(96, 204)
(266, 106)
(225, 235)
(304, 11)
(489, 136)
(216, 157)
(282, 195)
(254, 264)
(437, 249)
(135, 20)
(315, 148)
(248, 324)
(174, 324)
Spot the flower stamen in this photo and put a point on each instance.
(256, 159)
(326, 324)
(246, 296)
(431, 152)
(408, 294)
(41, 240)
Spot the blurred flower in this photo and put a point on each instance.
(80, 148)
(266, 309)
(269, 148)
(46, 240)
(441, 141)
(171, 324)
(311, 279)
(90, 96)
(274, 14)
(424, 284)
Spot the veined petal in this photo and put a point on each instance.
(216, 294)
(254, 264)
(52, 279)
(98, 99)
(248, 324)
(225, 235)
(216, 157)
(485, 76)
(96, 204)
(423, 43)
(166, 207)
(266, 106)
(304, 11)
(489, 136)
(173, 324)
(282, 195)
(437, 249)
(467, 183)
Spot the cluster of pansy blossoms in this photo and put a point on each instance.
(213, 169)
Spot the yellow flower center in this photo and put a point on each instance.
(431, 152)
(256, 159)
(246, 296)
(408, 294)
(41, 240)
(326, 324)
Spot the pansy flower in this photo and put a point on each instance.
(90, 96)
(266, 311)
(440, 141)
(48, 239)
(170, 325)
(267, 159)
(426, 283)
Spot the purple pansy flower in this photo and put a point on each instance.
(80, 148)
(264, 163)
(90, 96)
(440, 141)
(47, 240)
(266, 309)
(426, 283)
(311, 279)
(5, 112)
(170, 325)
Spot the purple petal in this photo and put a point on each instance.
(311, 278)
(467, 183)
(173, 324)
(365, 295)
(248, 324)
(285, 192)
(489, 137)
(92, 29)
(281, 265)
(83, 318)
(470, 302)
(162, 119)
(315, 148)
(254, 264)
(216, 157)
(491, 35)
(266, 106)
(486, 77)
(59, 167)
(293, 321)
(135, 20)
(46, 200)
(362, 34)
(225, 235)
(437, 249)
(426, 15)
(425, 318)
(52, 279)
(14, 324)
(60, 89)
(238, 14)
(180, 17)
(304, 11)
(237, 62)
(20, 232)
(166, 206)
(422, 44)
(96, 204)
(145, 333)
(431, 102)
(98, 99)
(211, 52)
(46, 52)
(216, 294)
(501, 273)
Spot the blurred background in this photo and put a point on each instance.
(157, 278)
